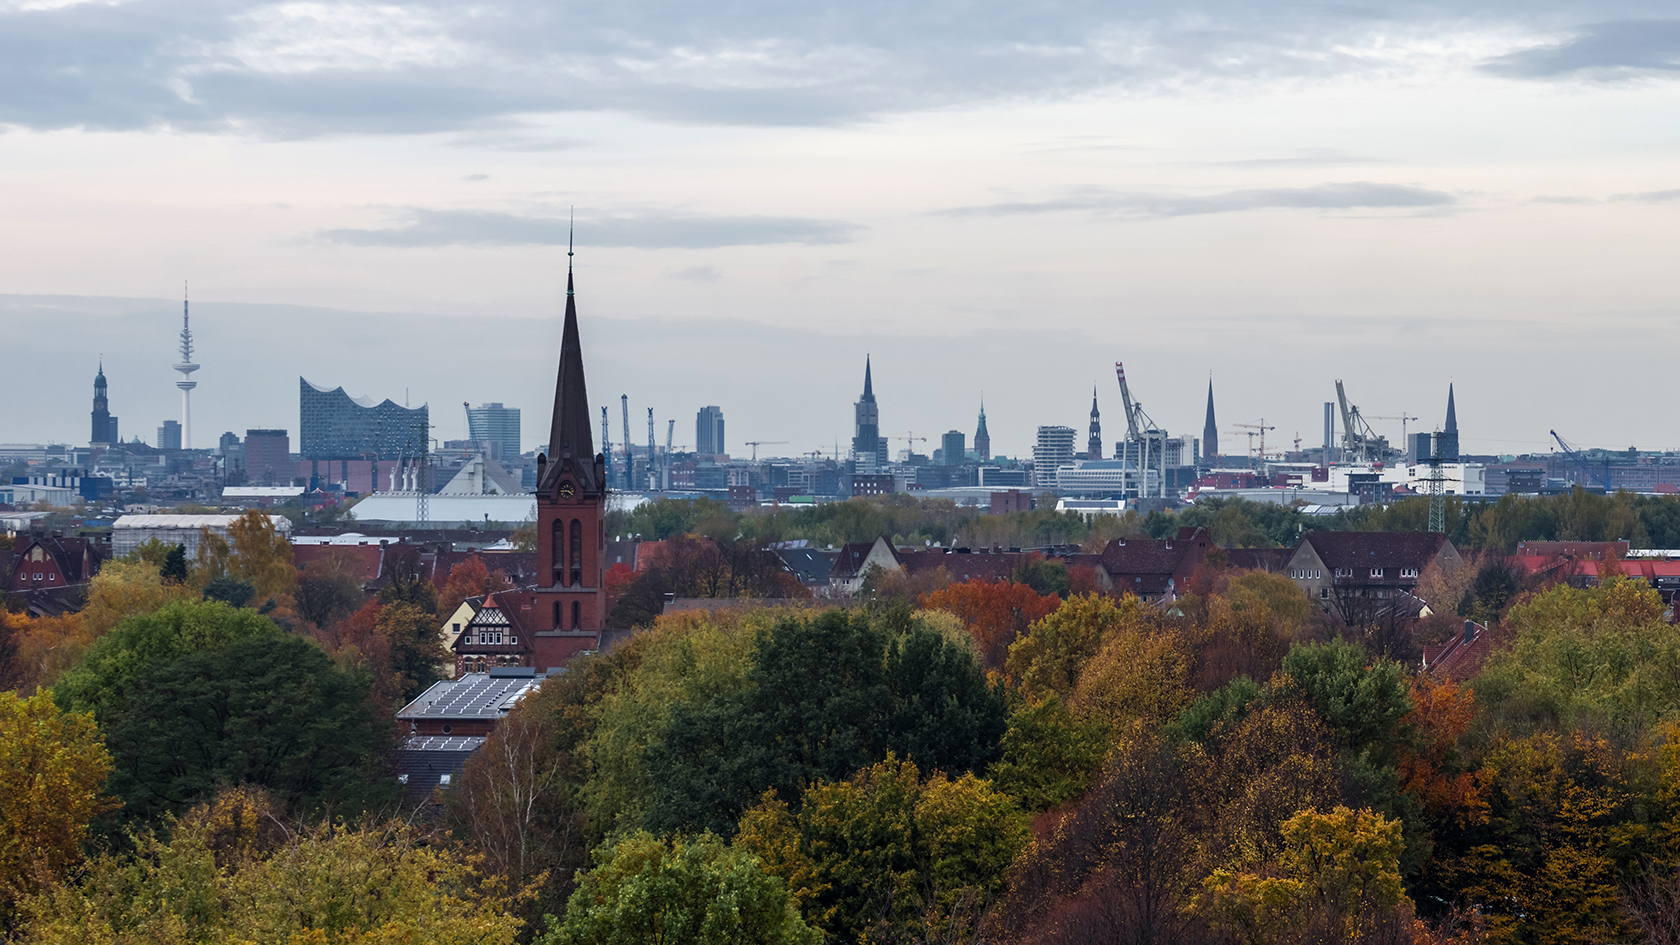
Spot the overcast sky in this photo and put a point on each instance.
(989, 198)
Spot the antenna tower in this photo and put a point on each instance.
(186, 367)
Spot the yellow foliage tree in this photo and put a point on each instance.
(1339, 873)
(52, 769)
(1056, 648)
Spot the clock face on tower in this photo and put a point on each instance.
(567, 490)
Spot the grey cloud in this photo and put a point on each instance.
(1565, 200)
(1338, 196)
(1610, 49)
(1650, 196)
(642, 231)
(697, 274)
(300, 70)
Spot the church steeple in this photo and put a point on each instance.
(868, 382)
(1094, 446)
(571, 444)
(982, 439)
(1210, 430)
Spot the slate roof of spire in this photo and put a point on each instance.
(571, 446)
(1452, 413)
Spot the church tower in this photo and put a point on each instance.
(1094, 445)
(570, 600)
(1210, 430)
(868, 447)
(982, 439)
(104, 425)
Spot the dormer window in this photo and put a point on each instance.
(1408, 572)
(1376, 572)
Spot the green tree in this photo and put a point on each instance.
(824, 698)
(175, 565)
(416, 651)
(1048, 756)
(1601, 657)
(887, 854)
(697, 891)
(202, 694)
(104, 682)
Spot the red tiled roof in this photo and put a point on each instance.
(1459, 659)
(367, 560)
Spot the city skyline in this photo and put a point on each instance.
(918, 402)
(984, 197)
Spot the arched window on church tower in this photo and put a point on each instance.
(557, 550)
(577, 552)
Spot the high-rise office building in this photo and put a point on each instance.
(169, 435)
(1053, 450)
(494, 423)
(868, 446)
(268, 458)
(333, 425)
(104, 425)
(951, 448)
(708, 432)
(982, 439)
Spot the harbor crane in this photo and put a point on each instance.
(1148, 443)
(1586, 470)
(1405, 441)
(1358, 439)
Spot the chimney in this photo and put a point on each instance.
(1469, 631)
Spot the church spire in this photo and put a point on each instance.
(571, 446)
(1452, 413)
(868, 382)
(1210, 430)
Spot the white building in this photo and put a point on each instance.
(131, 531)
(1097, 479)
(24, 496)
(1053, 450)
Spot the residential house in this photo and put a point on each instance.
(1152, 569)
(1331, 567)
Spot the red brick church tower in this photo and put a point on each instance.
(570, 600)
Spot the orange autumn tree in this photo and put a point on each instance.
(470, 578)
(995, 612)
(1441, 714)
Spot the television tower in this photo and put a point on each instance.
(186, 367)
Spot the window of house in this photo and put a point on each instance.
(1344, 572)
(1408, 572)
(1323, 593)
(1376, 572)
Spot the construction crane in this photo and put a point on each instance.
(755, 444)
(1260, 430)
(1405, 443)
(629, 457)
(1579, 460)
(670, 433)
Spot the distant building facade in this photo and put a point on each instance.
(333, 425)
(494, 423)
(268, 457)
(951, 448)
(1052, 451)
(169, 435)
(708, 431)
